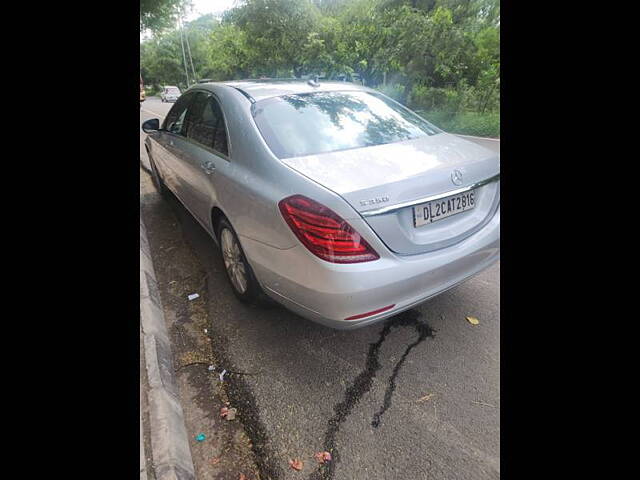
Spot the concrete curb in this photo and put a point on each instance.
(169, 439)
(144, 159)
(145, 164)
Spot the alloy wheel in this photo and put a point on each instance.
(233, 261)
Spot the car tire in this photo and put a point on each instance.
(239, 273)
(157, 180)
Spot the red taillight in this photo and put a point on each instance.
(324, 233)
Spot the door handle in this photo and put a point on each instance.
(208, 167)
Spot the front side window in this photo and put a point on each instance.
(207, 126)
(175, 120)
(321, 122)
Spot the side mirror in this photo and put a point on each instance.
(151, 126)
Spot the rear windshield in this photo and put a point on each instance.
(173, 90)
(321, 122)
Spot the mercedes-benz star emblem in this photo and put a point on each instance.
(456, 177)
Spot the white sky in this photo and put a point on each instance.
(202, 7)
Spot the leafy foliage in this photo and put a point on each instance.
(436, 55)
(157, 15)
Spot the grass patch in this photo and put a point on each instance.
(466, 123)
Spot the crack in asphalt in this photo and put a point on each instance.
(241, 397)
(425, 331)
(362, 384)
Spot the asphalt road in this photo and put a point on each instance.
(417, 397)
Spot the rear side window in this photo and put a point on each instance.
(206, 125)
(175, 120)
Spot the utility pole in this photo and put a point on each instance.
(193, 70)
(184, 57)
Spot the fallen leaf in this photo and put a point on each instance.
(426, 397)
(473, 320)
(231, 414)
(296, 464)
(322, 457)
(215, 460)
(224, 411)
(242, 477)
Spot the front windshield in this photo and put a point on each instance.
(321, 122)
(173, 90)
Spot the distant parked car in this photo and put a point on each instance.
(170, 94)
(333, 199)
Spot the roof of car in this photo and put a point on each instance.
(266, 88)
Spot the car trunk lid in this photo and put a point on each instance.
(384, 182)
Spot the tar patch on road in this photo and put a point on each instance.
(362, 384)
(424, 331)
(241, 396)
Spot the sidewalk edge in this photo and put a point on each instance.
(169, 439)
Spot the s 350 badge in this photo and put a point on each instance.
(374, 201)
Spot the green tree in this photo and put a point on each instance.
(158, 15)
(436, 54)
(364, 39)
(276, 30)
(229, 54)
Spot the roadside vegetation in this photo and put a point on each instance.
(439, 57)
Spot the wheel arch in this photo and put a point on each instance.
(216, 215)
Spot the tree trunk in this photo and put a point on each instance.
(488, 97)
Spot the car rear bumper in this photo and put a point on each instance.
(329, 293)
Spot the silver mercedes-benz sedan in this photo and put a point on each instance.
(336, 201)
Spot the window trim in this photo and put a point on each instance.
(164, 124)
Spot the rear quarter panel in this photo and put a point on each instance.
(256, 180)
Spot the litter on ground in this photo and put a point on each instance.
(296, 464)
(228, 413)
(426, 397)
(193, 296)
(473, 320)
(322, 457)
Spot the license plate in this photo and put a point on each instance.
(435, 210)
